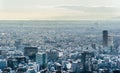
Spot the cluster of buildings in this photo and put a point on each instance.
(68, 57)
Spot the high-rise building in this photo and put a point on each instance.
(31, 52)
(18, 43)
(86, 59)
(105, 38)
(41, 59)
(110, 41)
(12, 63)
(53, 55)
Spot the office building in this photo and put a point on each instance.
(3, 63)
(21, 59)
(105, 38)
(86, 58)
(110, 41)
(12, 63)
(53, 55)
(31, 52)
(41, 59)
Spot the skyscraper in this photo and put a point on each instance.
(105, 38)
(31, 52)
(86, 59)
(41, 59)
(110, 41)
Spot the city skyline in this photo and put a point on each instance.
(59, 9)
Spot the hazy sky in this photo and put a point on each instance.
(59, 9)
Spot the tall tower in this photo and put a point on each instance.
(105, 38)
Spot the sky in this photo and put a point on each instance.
(59, 9)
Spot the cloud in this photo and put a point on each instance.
(95, 9)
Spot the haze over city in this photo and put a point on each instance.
(59, 9)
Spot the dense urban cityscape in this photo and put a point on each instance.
(59, 47)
